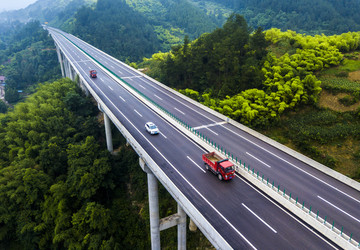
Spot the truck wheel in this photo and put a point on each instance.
(220, 177)
(206, 166)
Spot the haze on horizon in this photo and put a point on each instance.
(6, 5)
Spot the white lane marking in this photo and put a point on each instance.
(141, 86)
(158, 97)
(130, 77)
(101, 79)
(212, 131)
(110, 88)
(191, 185)
(293, 165)
(138, 113)
(175, 169)
(285, 211)
(163, 135)
(112, 66)
(122, 99)
(338, 208)
(158, 88)
(209, 125)
(272, 229)
(258, 160)
(196, 164)
(178, 110)
(85, 63)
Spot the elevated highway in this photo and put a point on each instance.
(236, 214)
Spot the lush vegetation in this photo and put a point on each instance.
(110, 26)
(28, 57)
(133, 29)
(305, 16)
(59, 186)
(236, 76)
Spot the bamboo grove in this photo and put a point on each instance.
(247, 77)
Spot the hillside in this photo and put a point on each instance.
(44, 11)
(301, 90)
(304, 16)
(28, 56)
(166, 22)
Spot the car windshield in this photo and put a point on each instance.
(153, 127)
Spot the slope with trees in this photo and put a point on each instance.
(28, 57)
(59, 186)
(305, 16)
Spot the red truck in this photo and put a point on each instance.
(221, 167)
(93, 73)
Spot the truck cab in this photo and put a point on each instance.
(221, 167)
(93, 73)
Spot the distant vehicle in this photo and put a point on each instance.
(221, 167)
(151, 128)
(93, 73)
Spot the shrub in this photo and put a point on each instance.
(347, 100)
(342, 74)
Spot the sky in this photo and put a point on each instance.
(14, 4)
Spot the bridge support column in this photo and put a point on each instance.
(181, 228)
(66, 68)
(83, 87)
(108, 133)
(70, 75)
(153, 206)
(60, 60)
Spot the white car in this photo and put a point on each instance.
(151, 128)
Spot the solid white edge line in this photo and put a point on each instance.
(272, 229)
(293, 165)
(196, 164)
(258, 160)
(328, 202)
(289, 214)
(300, 222)
(197, 191)
(155, 87)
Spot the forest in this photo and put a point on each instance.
(265, 79)
(305, 16)
(59, 186)
(27, 56)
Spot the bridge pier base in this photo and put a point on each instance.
(157, 224)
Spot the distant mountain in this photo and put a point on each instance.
(44, 10)
(303, 16)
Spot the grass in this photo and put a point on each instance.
(331, 101)
(339, 84)
(350, 65)
(324, 135)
